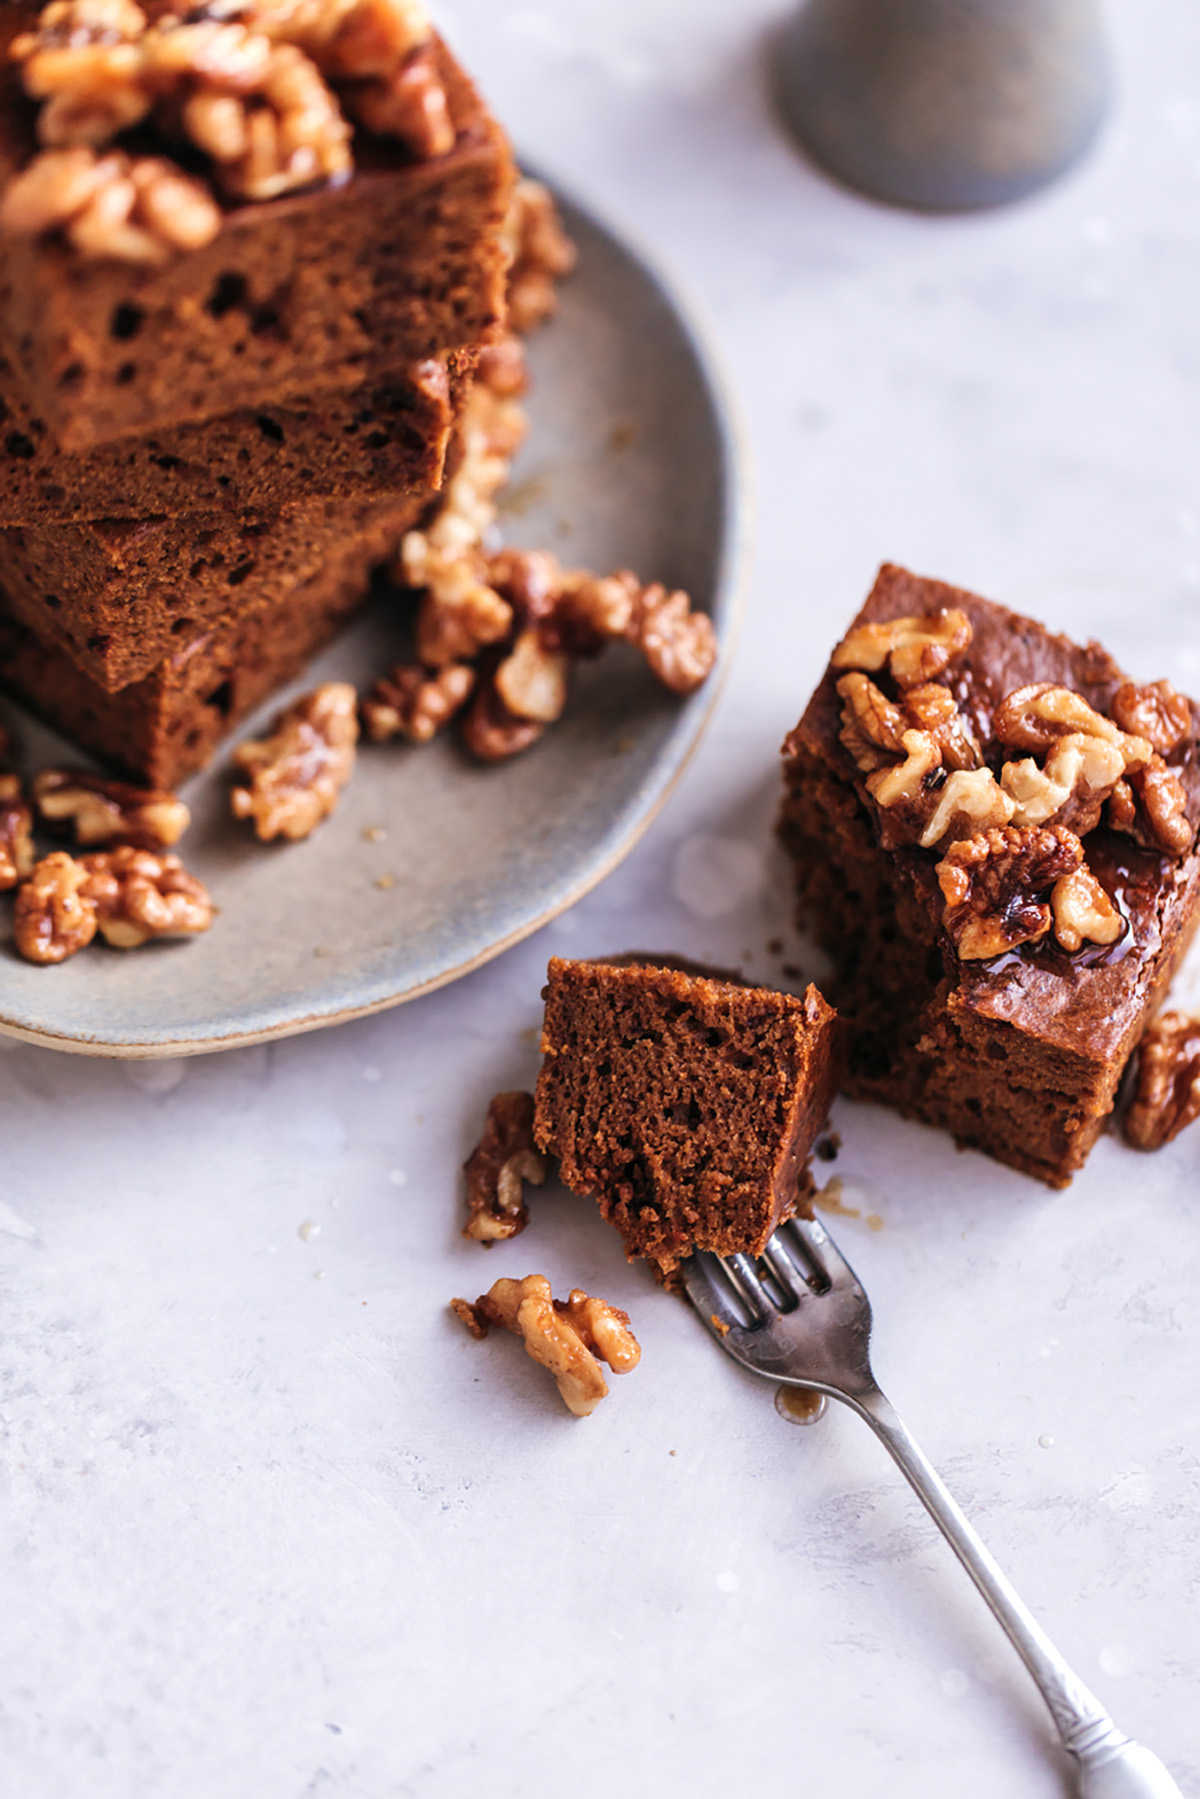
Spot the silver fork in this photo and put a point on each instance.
(800, 1317)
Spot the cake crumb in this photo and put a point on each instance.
(374, 834)
(718, 1324)
(383, 882)
(828, 1146)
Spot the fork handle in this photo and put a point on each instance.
(1110, 1765)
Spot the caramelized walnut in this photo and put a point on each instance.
(996, 887)
(540, 253)
(128, 208)
(1079, 775)
(502, 367)
(679, 644)
(16, 840)
(138, 895)
(914, 650)
(571, 1338)
(872, 727)
(1167, 1092)
(933, 709)
(1037, 716)
(53, 918)
(410, 104)
(460, 612)
(498, 1167)
(415, 702)
(294, 777)
(531, 681)
(490, 731)
(971, 801)
(97, 810)
(1083, 911)
(1161, 819)
(1156, 712)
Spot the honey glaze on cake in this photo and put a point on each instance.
(686, 1106)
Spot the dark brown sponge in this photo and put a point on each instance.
(686, 1106)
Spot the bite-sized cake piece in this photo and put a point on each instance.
(121, 595)
(993, 830)
(390, 436)
(163, 728)
(235, 204)
(686, 1106)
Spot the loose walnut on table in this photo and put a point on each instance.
(503, 1160)
(571, 1338)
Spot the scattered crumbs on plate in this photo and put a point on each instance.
(374, 834)
(383, 882)
(308, 1230)
(874, 1221)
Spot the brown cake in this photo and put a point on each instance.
(1000, 943)
(163, 728)
(686, 1106)
(322, 287)
(389, 436)
(121, 595)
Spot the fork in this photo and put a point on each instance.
(799, 1317)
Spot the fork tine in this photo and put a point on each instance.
(744, 1278)
(779, 1259)
(820, 1248)
(711, 1297)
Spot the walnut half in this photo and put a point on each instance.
(138, 895)
(569, 1337)
(53, 918)
(293, 779)
(498, 1167)
(98, 810)
(914, 650)
(997, 887)
(1167, 1091)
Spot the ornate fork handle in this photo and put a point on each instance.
(1110, 1765)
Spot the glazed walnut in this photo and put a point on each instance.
(96, 810)
(1151, 804)
(409, 104)
(294, 778)
(996, 887)
(1167, 1091)
(414, 702)
(138, 894)
(872, 727)
(53, 918)
(498, 1167)
(16, 841)
(679, 645)
(1037, 716)
(540, 253)
(971, 801)
(129, 208)
(1156, 712)
(490, 731)
(571, 1338)
(1083, 912)
(531, 681)
(933, 709)
(914, 650)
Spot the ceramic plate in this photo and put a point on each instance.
(432, 863)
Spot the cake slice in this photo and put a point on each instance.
(328, 285)
(994, 836)
(686, 1106)
(166, 726)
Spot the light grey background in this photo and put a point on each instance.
(273, 1526)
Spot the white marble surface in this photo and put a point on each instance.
(271, 1524)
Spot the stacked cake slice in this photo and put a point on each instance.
(250, 256)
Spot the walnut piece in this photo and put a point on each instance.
(138, 894)
(1156, 712)
(540, 253)
(1079, 775)
(409, 104)
(933, 709)
(1160, 817)
(996, 887)
(571, 1338)
(130, 208)
(915, 650)
(1037, 716)
(294, 777)
(679, 645)
(531, 682)
(490, 731)
(414, 702)
(1167, 1091)
(16, 840)
(52, 917)
(98, 810)
(970, 802)
(1083, 911)
(498, 1167)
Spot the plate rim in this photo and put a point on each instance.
(730, 590)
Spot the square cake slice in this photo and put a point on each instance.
(686, 1106)
(325, 285)
(993, 831)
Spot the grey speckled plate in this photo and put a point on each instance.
(631, 461)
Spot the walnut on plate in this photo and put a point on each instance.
(53, 918)
(138, 894)
(503, 1160)
(415, 702)
(293, 779)
(1166, 1094)
(569, 1337)
(16, 839)
(540, 253)
(997, 887)
(97, 810)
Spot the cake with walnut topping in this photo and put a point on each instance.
(993, 831)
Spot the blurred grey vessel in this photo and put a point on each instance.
(944, 105)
